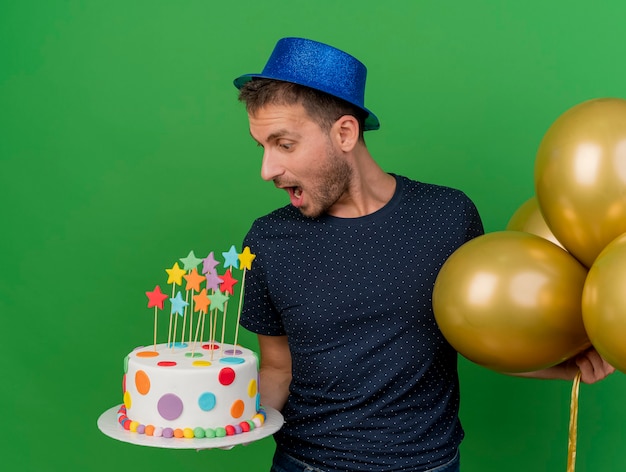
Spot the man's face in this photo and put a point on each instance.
(301, 158)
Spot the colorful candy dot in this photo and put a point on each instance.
(199, 432)
(200, 363)
(147, 354)
(133, 426)
(188, 433)
(142, 382)
(178, 433)
(258, 420)
(158, 432)
(193, 354)
(238, 429)
(167, 433)
(236, 409)
(220, 432)
(127, 400)
(245, 426)
(230, 430)
(226, 376)
(170, 406)
(233, 352)
(209, 433)
(141, 429)
(206, 401)
(232, 360)
(210, 346)
(149, 430)
(252, 390)
(166, 364)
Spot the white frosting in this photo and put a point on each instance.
(191, 394)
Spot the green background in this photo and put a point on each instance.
(123, 147)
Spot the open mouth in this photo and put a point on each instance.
(295, 195)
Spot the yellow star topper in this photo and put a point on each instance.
(246, 258)
(175, 274)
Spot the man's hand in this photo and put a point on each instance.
(592, 366)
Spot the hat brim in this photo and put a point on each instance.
(371, 121)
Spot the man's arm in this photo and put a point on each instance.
(275, 370)
(591, 365)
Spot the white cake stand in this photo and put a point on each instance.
(108, 424)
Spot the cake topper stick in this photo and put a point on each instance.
(178, 306)
(223, 329)
(231, 259)
(155, 327)
(217, 301)
(156, 299)
(201, 304)
(182, 331)
(193, 350)
(202, 328)
(191, 322)
(245, 260)
(175, 329)
(194, 280)
(215, 317)
(227, 287)
(212, 282)
(189, 263)
(174, 277)
(213, 322)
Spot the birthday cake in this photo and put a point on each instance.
(198, 386)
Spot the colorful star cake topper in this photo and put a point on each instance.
(218, 299)
(228, 282)
(209, 264)
(175, 274)
(201, 302)
(246, 258)
(191, 261)
(213, 281)
(156, 298)
(178, 304)
(209, 299)
(231, 258)
(193, 280)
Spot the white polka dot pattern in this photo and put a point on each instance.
(374, 383)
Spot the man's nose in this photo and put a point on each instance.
(270, 167)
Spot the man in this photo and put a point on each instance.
(340, 295)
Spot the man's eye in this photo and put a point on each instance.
(286, 146)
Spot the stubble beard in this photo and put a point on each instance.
(334, 179)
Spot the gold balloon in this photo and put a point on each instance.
(510, 301)
(528, 218)
(580, 176)
(604, 303)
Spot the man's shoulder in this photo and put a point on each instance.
(282, 221)
(418, 189)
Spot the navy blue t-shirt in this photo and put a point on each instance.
(375, 385)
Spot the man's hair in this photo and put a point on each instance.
(323, 108)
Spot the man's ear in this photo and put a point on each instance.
(346, 130)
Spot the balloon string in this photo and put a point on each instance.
(573, 422)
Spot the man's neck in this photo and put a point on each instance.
(370, 190)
